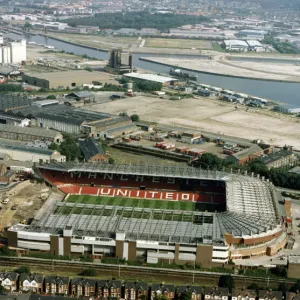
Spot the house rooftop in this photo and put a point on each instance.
(275, 156)
(90, 148)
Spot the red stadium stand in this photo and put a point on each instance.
(89, 190)
(137, 187)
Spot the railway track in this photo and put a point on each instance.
(139, 273)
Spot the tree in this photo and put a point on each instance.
(23, 269)
(253, 286)
(123, 114)
(161, 297)
(89, 69)
(135, 118)
(226, 281)
(70, 149)
(89, 272)
(280, 271)
(111, 161)
(186, 296)
(51, 97)
(283, 287)
(143, 297)
(54, 147)
(209, 161)
(27, 26)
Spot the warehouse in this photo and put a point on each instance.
(67, 79)
(24, 153)
(68, 119)
(235, 45)
(9, 73)
(164, 80)
(64, 79)
(12, 132)
(9, 102)
(14, 120)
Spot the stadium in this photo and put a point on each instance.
(168, 214)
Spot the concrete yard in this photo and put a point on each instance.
(220, 65)
(27, 195)
(213, 116)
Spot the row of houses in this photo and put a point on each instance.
(108, 289)
(269, 157)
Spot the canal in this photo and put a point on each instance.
(285, 92)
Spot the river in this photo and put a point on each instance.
(285, 92)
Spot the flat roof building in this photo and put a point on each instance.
(164, 80)
(64, 79)
(24, 153)
(235, 45)
(9, 102)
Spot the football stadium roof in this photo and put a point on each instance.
(251, 210)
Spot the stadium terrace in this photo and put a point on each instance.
(169, 214)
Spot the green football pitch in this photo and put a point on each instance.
(141, 203)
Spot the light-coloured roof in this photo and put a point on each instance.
(295, 259)
(150, 77)
(253, 43)
(41, 132)
(44, 102)
(234, 43)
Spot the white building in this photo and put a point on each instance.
(24, 153)
(14, 52)
(255, 45)
(18, 51)
(235, 45)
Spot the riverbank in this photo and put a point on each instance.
(234, 69)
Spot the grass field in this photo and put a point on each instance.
(178, 43)
(143, 203)
(103, 42)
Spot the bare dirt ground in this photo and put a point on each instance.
(212, 116)
(27, 195)
(261, 70)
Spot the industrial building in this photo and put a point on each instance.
(10, 102)
(120, 61)
(9, 73)
(11, 132)
(109, 127)
(243, 45)
(235, 45)
(64, 79)
(246, 155)
(14, 120)
(164, 80)
(17, 151)
(13, 52)
(249, 34)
